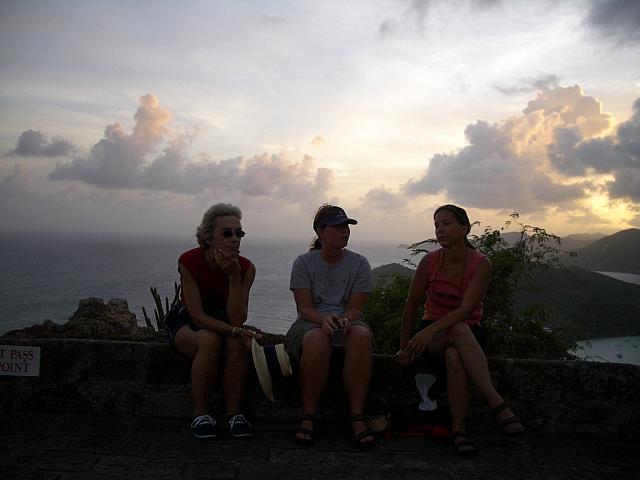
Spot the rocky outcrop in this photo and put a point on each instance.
(94, 319)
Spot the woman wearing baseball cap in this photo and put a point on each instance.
(330, 285)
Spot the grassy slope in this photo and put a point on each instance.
(619, 252)
(584, 304)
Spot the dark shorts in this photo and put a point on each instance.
(178, 316)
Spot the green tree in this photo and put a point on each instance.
(509, 333)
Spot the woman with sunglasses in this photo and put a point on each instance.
(208, 325)
(453, 280)
(330, 285)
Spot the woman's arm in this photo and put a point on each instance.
(415, 299)
(471, 299)
(308, 311)
(355, 305)
(329, 321)
(238, 299)
(193, 302)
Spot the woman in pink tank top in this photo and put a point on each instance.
(451, 284)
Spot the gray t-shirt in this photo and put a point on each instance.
(331, 285)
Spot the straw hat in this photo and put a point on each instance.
(271, 363)
(378, 413)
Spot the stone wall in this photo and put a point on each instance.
(151, 379)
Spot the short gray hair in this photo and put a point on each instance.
(208, 224)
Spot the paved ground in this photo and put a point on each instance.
(41, 446)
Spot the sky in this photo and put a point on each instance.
(134, 117)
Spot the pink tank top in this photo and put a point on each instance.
(445, 294)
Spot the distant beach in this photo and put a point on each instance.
(615, 349)
(623, 277)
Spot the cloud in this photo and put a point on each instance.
(386, 28)
(32, 143)
(574, 109)
(117, 160)
(485, 4)
(537, 160)
(14, 184)
(416, 13)
(382, 198)
(617, 154)
(587, 217)
(490, 173)
(529, 84)
(318, 141)
(418, 10)
(618, 20)
(150, 158)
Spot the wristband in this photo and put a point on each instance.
(234, 331)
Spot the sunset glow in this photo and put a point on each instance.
(134, 118)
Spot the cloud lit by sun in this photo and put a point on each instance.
(387, 108)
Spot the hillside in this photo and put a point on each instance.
(579, 240)
(383, 273)
(619, 252)
(582, 304)
(569, 243)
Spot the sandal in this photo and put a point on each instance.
(464, 448)
(309, 439)
(511, 425)
(358, 437)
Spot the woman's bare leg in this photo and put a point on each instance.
(314, 372)
(203, 347)
(474, 360)
(457, 389)
(356, 373)
(235, 373)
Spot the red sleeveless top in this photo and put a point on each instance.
(445, 294)
(213, 283)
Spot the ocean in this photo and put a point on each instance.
(43, 276)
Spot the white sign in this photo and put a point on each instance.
(19, 361)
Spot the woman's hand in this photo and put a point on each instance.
(345, 322)
(227, 261)
(330, 322)
(420, 341)
(404, 358)
(245, 332)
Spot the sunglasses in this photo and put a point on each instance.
(228, 233)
